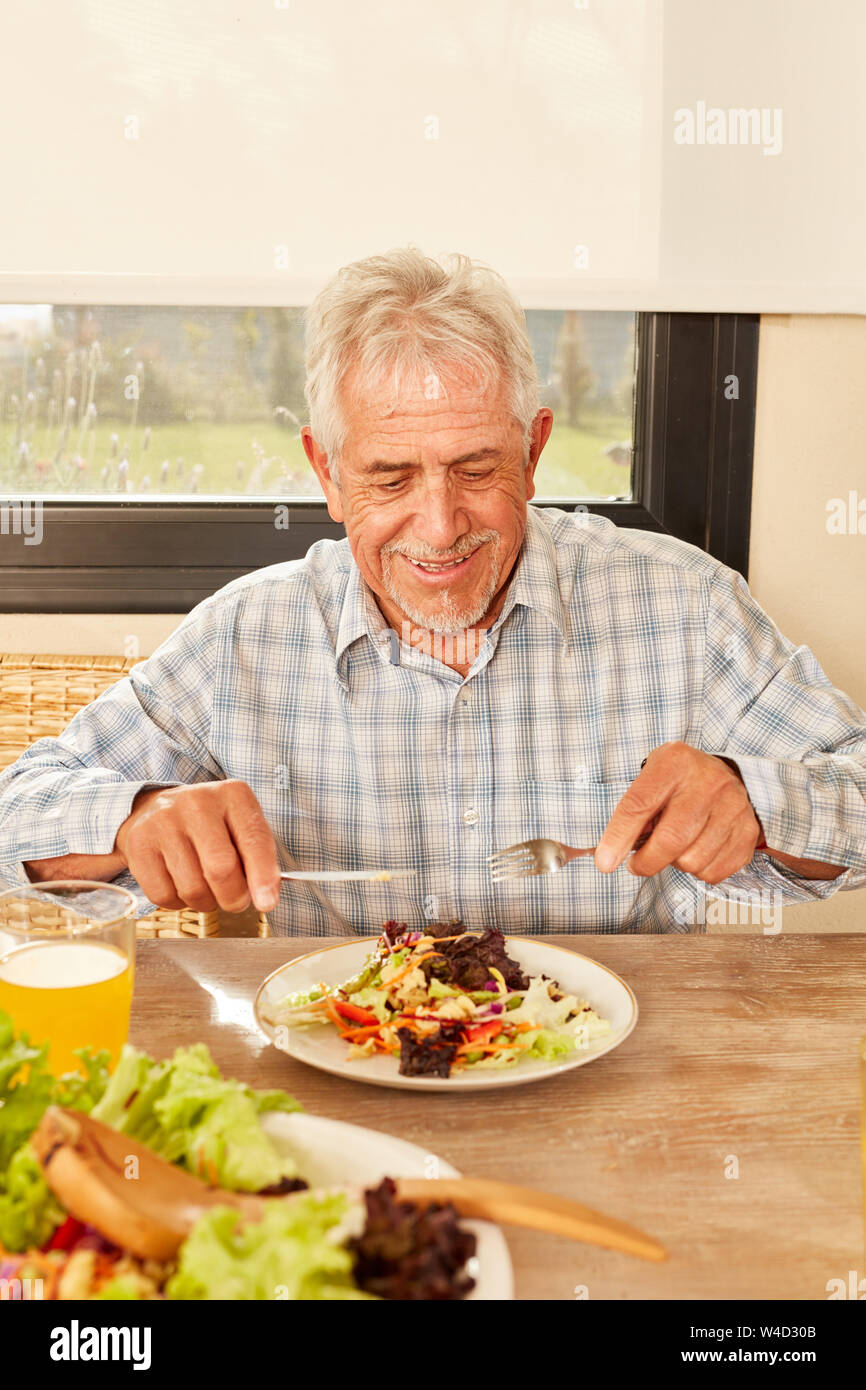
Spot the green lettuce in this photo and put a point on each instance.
(184, 1110)
(29, 1212)
(181, 1108)
(27, 1087)
(545, 1043)
(376, 1001)
(557, 1032)
(293, 1252)
(437, 990)
(548, 1044)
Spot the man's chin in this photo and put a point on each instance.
(441, 615)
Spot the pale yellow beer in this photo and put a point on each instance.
(67, 955)
(74, 994)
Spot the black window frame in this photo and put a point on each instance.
(692, 478)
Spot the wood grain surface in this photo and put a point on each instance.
(727, 1125)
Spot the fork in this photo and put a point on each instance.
(541, 857)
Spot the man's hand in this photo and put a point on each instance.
(705, 822)
(201, 846)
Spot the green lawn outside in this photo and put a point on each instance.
(573, 464)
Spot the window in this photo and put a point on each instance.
(157, 441)
(116, 401)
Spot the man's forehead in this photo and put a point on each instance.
(423, 396)
(439, 413)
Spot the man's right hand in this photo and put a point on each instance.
(201, 846)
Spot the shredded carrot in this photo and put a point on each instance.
(331, 1011)
(353, 1033)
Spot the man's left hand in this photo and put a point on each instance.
(705, 823)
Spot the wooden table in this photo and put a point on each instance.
(727, 1125)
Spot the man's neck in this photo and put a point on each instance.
(456, 650)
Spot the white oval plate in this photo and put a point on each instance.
(331, 1152)
(321, 1046)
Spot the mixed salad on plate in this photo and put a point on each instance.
(443, 1000)
(309, 1245)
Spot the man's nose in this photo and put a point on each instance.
(442, 519)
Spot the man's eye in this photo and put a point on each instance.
(392, 487)
(476, 477)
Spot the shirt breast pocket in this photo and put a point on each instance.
(578, 897)
(573, 812)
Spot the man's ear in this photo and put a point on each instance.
(541, 427)
(319, 461)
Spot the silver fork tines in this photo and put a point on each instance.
(529, 858)
(541, 856)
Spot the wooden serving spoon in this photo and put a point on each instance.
(133, 1197)
(148, 1206)
(510, 1205)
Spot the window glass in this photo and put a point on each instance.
(172, 402)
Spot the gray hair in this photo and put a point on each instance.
(404, 313)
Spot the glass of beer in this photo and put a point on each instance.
(67, 957)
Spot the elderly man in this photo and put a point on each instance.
(462, 672)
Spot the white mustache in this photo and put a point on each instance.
(416, 552)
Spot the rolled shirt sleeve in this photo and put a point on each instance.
(798, 742)
(70, 794)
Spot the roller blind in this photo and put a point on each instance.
(609, 154)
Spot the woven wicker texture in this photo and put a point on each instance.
(44, 916)
(40, 694)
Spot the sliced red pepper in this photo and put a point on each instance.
(483, 1032)
(66, 1235)
(353, 1012)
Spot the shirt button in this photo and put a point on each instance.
(471, 816)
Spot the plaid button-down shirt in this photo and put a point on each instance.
(367, 753)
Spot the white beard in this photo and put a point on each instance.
(446, 617)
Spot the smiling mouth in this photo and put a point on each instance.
(438, 567)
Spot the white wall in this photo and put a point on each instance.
(810, 447)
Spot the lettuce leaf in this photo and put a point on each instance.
(293, 1252)
(537, 1007)
(27, 1087)
(181, 1108)
(376, 1001)
(548, 1044)
(29, 1211)
(184, 1110)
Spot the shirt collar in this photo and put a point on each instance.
(360, 615)
(535, 584)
